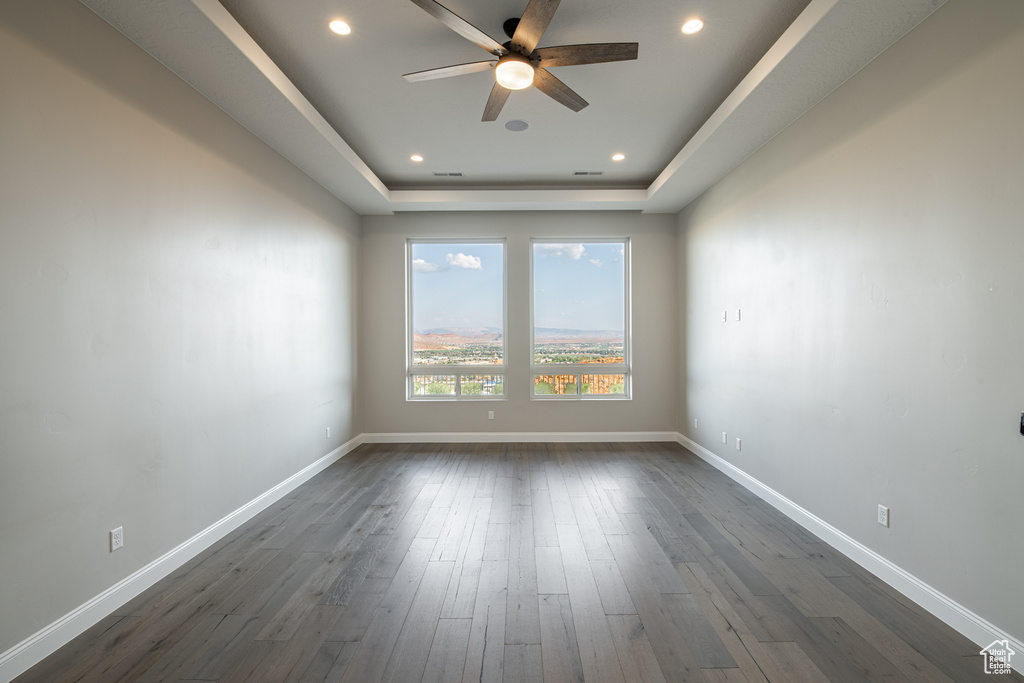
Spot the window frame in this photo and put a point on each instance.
(582, 369)
(460, 370)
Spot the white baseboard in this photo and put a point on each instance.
(963, 620)
(35, 648)
(519, 437)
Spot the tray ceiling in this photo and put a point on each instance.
(687, 111)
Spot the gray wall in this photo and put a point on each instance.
(875, 249)
(382, 361)
(176, 313)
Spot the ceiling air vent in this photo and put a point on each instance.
(442, 174)
(588, 172)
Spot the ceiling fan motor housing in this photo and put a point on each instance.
(510, 26)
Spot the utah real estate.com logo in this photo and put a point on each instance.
(997, 657)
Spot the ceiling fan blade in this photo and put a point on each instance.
(447, 71)
(558, 91)
(533, 24)
(568, 55)
(495, 101)
(460, 26)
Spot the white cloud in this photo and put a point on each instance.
(573, 251)
(596, 262)
(466, 261)
(421, 266)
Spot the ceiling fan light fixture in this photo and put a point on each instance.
(514, 72)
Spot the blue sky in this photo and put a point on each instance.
(577, 286)
(457, 285)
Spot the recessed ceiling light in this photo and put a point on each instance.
(618, 157)
(416, 157)
(340, 27)
(692, 26)
(516, 126)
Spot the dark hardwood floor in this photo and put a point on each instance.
(519, 562)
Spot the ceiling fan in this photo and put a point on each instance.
(520, 63)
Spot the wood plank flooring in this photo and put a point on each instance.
(519, 562)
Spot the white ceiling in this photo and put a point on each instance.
(687, 111)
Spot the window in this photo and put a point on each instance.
(456, 344)
(580, 313)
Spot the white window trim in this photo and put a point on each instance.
(580, 369)
(413, 370)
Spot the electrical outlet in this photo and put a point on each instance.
(328, 433)
(695, 421)
(883, 515)
(490, 414)
(725, 437)
(739, 443)
(116, 539)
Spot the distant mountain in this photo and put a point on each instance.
(441, 334)
(559, 333)
(461, 331)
